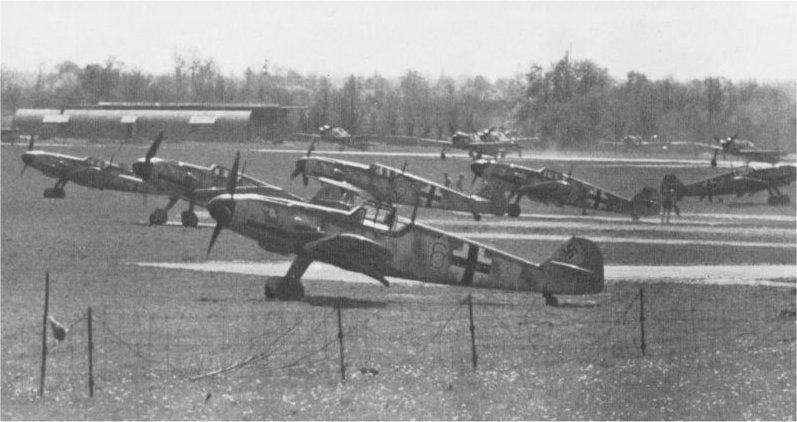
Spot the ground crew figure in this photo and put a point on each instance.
(447, 180)
(460, 183)
(668, 196)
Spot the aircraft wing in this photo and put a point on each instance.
(203, 196)
(343, 185)
(545, 192)
(708, 146)
(127, 183)
(351, 252)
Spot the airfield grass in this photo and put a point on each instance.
(712, 352)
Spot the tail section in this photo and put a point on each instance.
(672, 182)
(647, 202)
(575, 268)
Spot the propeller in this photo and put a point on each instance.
(27, 158)
(222, 209)
(144, 170)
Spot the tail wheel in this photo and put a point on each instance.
(54, 193)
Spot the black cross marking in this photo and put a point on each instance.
(471, 264)
(430, 196)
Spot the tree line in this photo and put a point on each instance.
(571, 105)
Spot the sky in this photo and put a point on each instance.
(685, 40)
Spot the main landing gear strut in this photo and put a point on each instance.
(56, 191)
(290, 286)
(777, 198)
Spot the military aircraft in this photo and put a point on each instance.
(550, 186)
(491, 142)
(369, 239)
(85, 171)
(738, 182)
(393, 186)
(744, 149)
(338, 135)
(192, 183)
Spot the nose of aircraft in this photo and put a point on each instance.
(299, 168)
(27, 158)
(142, 169)
(221, 208)
(478, 167)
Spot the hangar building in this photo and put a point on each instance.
(210, 122)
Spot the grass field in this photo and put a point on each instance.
(713, 352)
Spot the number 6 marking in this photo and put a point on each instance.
(438, 256)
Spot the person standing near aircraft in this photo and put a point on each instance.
(460, 183)
(667, 200)
(447, 180)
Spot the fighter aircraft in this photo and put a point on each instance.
(491, 142)
(85, 171)
(744, 149)
(550, 186)
(393, 186)
(338, 135)
(192, 183)
(738, 182)
(370, 240)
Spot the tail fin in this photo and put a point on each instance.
(575, 268)
(671, 181)
(646, 202)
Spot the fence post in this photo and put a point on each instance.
(340, 342)
(91, 353)
(44, 332)
(472, 332)
(642, 320)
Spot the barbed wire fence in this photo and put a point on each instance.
(136, 346)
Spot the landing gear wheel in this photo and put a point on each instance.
(442, 155)
(189, 219)
(158, 217)
(772, 200)
(502, 155)
(281, 288)
(513, 210)
(477, 217)
(550, 300)
(784, 200)
(54, 193)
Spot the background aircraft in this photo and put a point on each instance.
(393, 186)
(85, 171)
(338, 135)
(549, 186)
(372, 241)
(195, 184)
(744, 149)
(738, 182)
(491, 142)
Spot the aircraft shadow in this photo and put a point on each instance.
(342, 302)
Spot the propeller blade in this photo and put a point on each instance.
(23, 170)
(305, 179)
(473, 182)
(154, 148)
(216, 232)
(243, 168)
(233, 180)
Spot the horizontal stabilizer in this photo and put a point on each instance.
(575, 268)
